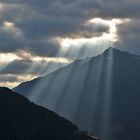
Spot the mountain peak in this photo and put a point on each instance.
(111, 49)
(117, 53)
(82, 91)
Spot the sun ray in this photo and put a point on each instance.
(105, 124)
(41, 85)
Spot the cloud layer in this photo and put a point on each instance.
(35, 23)
(38, 28)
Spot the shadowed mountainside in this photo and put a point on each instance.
(99, 94)
(21, 119)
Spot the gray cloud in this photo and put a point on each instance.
(11, 39)
(129, 36)
(37, 68)
(17, 67)
(131, 27)
(36, 22)
(9, 78)
(46, 19)
(20, 71)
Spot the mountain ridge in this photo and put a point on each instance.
(85, 90)
(22, 119)
(79, 60)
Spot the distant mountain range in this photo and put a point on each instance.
(99, 94)
(21, 119)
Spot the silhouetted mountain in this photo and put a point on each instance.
(99, 94)
(21, 119)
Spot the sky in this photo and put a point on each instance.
(40, 36)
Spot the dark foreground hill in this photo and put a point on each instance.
(21, 119)
(99, 94)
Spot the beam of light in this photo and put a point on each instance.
(59, 87)
(44, 68)
(48, 99)
(89, 49)
(93, 42)
(41, 84)
(48, 86)
(92, 98)
(105, 126)
(67, 43)
(64, 94)
(29, 56)
(42, 65)
(3, 65)
(84, 96)
(56, 102)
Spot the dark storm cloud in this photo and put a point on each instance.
(52, 18)
(17, 67)
(132, 27)
(40, 27)
(37, 22)
(129, 36)
(81, 8)
(10, 40)
(44, 47)
(112, 8)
